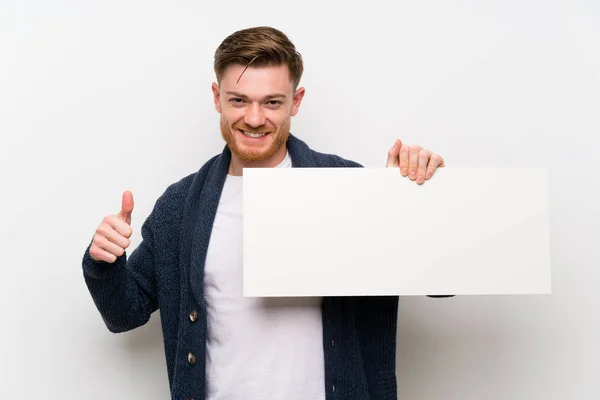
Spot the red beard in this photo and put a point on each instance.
(275, 140)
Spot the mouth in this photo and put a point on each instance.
(253, 135)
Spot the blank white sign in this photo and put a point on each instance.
(370, 231)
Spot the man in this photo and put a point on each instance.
(218, 344)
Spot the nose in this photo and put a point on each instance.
(254, 116)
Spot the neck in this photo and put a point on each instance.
(237, 165)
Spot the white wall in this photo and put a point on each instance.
(100, 97)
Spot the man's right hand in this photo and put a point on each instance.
(112, 235)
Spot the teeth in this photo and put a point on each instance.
(254, 135)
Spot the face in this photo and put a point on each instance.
(256, 109)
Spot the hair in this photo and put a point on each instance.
(261, 46)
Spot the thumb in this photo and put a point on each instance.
(393, 159)
(126, 207)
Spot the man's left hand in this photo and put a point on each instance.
(414, 161)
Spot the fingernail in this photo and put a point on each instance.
(403, 170)
(412, 174)
(420, 177)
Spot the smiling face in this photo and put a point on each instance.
(256, 105)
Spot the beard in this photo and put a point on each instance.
(276, 138)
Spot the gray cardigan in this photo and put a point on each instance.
(166, 271)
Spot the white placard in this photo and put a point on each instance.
(370, 231)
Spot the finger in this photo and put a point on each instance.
(114, 236)
(413, 161)
(98, 254)
(404, 159)
(109, 247)
(424, 156)
(118, 225)
(435, 162)
(392, 160)
(126, 207)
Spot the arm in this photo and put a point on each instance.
(351, 164)
(124, 291)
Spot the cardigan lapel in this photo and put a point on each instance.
(301, 154)
(200, 217)
(201, 208)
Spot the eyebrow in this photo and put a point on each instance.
(267, 97)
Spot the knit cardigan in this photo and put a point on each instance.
(166, 272)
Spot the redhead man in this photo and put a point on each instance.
(218, 344)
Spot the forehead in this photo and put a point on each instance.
(257, 80)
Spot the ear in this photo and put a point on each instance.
(216, 97)
(298, 96)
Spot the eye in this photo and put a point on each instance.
(236, 100)
(274, 103)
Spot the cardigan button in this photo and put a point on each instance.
(192, 358)
(194, 316)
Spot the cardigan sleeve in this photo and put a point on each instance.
(124, 292)
(353, 164)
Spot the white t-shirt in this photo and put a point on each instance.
(257, 348)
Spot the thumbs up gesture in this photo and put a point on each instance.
(112, 235)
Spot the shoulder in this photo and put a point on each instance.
(325, 160)
(175, 195)
(305, 156)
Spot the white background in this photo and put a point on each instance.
(100, 97)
